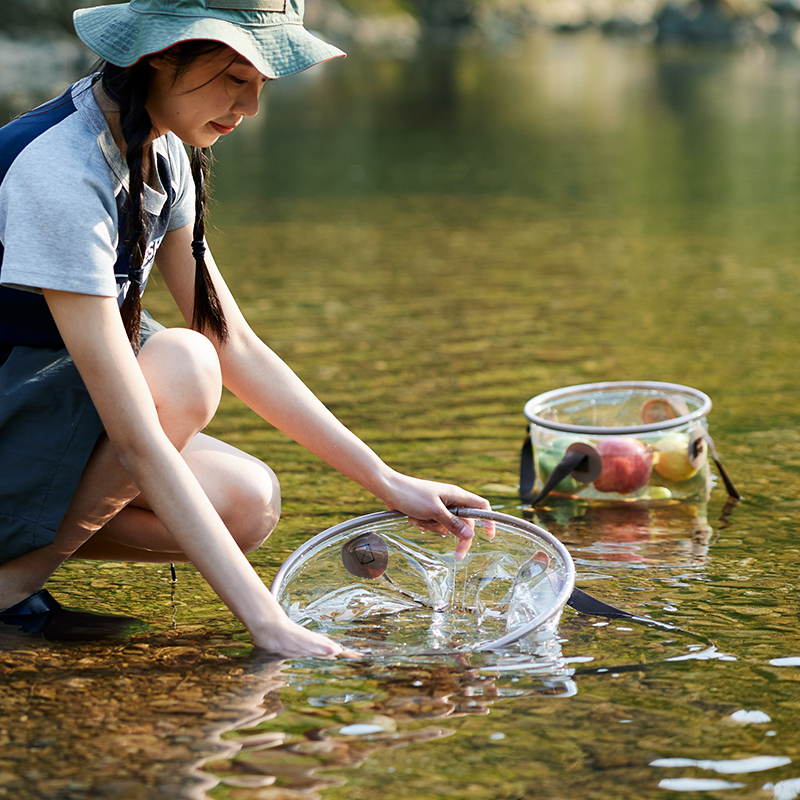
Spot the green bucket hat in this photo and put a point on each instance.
(268, 33)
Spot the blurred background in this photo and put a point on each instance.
(36, 36)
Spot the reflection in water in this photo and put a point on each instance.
(669, 536)
(124, 721)
(167, 717)
(429, 87)
(393, 708)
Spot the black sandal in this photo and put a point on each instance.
(42, 614)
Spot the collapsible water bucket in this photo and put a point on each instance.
(619, 441)
(378, 583)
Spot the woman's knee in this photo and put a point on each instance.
(253, 506)
(183, 372)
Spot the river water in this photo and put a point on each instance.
(430, 242)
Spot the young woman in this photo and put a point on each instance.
(101, 409)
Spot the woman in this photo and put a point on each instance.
(101, 407)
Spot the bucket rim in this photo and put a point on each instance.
(533, 405)
(336, 531)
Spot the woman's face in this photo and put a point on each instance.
(207, 100)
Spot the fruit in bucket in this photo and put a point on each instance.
(672, 459)
(627, 464)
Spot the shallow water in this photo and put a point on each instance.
(430, 243)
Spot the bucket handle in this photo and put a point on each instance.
(583, 462)
(698, 440)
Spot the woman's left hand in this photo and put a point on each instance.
(427, 504)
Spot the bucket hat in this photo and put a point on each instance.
(268, 33)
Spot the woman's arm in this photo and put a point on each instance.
(94, 335)
(265, 383)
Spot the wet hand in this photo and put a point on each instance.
(427, 504)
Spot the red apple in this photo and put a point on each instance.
(627, 464)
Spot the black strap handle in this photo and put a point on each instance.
(527, 474)
(584, 603)
(712, 450)
(527, 477)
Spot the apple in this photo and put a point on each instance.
(627, 464)
(672, 461)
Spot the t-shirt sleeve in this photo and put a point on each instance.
(58, 223)
(182, 211)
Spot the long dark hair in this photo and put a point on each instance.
(127, 88)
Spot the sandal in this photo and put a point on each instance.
(42, 614)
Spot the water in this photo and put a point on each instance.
(430, 243)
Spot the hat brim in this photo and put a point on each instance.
(123, 37)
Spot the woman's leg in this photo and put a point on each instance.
(244, 491)
(182, 370)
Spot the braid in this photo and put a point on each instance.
(127, 87)
(207, 311)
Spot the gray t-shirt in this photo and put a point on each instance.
(59, 209)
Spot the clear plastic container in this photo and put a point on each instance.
(642, 441)
(377, 583)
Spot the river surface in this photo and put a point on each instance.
(430, 242)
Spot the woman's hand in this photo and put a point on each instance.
(427, 505)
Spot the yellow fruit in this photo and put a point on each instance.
(673, 457)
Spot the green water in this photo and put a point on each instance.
(430, 243)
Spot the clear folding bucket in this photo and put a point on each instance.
(379, 584)
(643, 441)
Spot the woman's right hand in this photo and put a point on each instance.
(427, 504)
